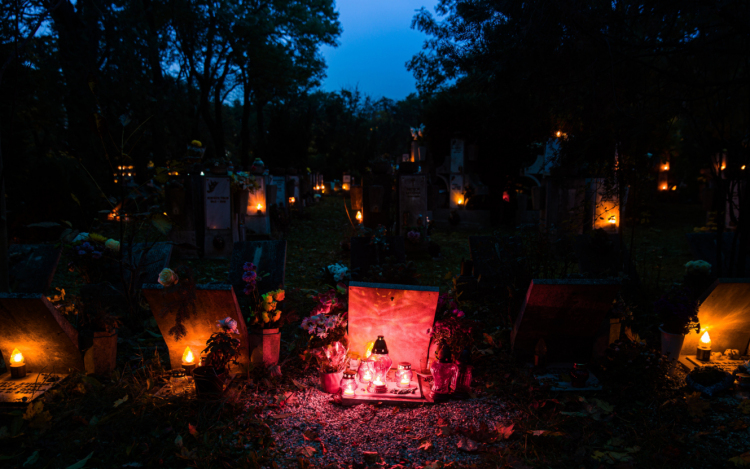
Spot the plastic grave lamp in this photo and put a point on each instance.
(188, 360)
(359, 216)
(664, 186)
(704, 348)
(348, 384)
(382, 363)
(665, 166)
(404, 375)
(460, 201)
(17, 364)
(259, 207)
(612, 220)
(345, 187)
(291, 200)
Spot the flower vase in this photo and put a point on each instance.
(208, 384)
(671, 344)
(330, 382)
(265, 345)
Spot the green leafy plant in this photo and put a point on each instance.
(221, 348)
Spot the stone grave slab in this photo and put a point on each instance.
(32, 266)
(363, 254)
(725, 313)
(268, 256)
(280, 183)
(292, 188)
(48, 342)
(567, 314)
(412, 200)
(401, 314)
(211, 304)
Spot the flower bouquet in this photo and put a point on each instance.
(331, 360)
(94, 256)
(221, 350)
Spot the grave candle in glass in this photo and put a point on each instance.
(404, 375)
(17, 365)
(348, 385)
(443, 370)
(188, 361)
(382, 363)
(704, 348)
(366, 371)
(462, 381)
(178, 381)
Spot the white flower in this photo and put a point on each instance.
(81, 237)
(112, 245)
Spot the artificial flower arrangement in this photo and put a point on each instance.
(221, 348)
(453, 328)
(335, 273)
(331, 358)
(327, 322)
(242, 181)
(265, 309)
(90, 249)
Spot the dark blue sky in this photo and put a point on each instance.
(375, 45)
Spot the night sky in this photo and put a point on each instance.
(375, 45)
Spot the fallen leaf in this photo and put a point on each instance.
(119, 402)
(466, 444)
(503, 431)
(81, 463)
(32, 459)
(426, 446)
(33, 409)
(305, 451)
(298, 384)
(445, 430)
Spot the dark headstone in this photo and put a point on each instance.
(268, 256)
(356, 195)
(567, 314)
(157, 257)
(48, 342)
(485, 255)
(363, 254)
(211, 304)
(602, 254)
(184, 206)
(32, 266)
(412, 201)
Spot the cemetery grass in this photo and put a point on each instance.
(643, 417)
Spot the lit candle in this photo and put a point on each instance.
(359, 216)
(404, 375)
(188, 361)
(367, 377)
(17, 365)
(704, 348)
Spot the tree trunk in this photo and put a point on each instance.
(261, 147)
(159, 141)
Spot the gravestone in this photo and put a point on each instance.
(602, 254)
(456, 191)
(412, 200)
(48, 342)
(363, 254)
(183, 204)
(280, 183)
(292, 188)
(257, 220)
(376, 200)
(156, 259)
(567, 314)
(346, 181)
(210, 304)
(32, 266)
(269, 257)
(485, 256)
(457, 155)
(403, 315)
(220, 228)
(725, 313)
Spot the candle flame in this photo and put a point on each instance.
(359, 215)
(742, 167)
(16, 356)
(187, 356)
(405, 380)
(259, 206)
(613, 220)
(664, 187)
(460, 201)
(291, 200)
(558, 134)
(378, 382)
(665, 167)
(705, 339)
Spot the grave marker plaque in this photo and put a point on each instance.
(401, 314)
(567, 314)
(211, 304)
(48, 342)
(268, 256)
(32, 266)
(280, 183)
(725, 313)
(412, 201)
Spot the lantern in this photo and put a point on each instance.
(348, 385)
(665, 166)
(17, 364)
(612, 220)
(462, 381)
(188, 361)
(366, 371)
(704, 348)
(443, 372)
(259, 207)
(359, 216)
(179, 382)
(404, 375)
(381, 363)
(291, 200)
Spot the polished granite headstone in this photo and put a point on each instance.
(269, 258)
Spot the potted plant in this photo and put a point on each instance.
(95, 257)
(264, 319)
(221, 350)
(218, 166)
(331, 363)
(453, 328)
(679, 313)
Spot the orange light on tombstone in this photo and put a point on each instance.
(665, 166)
(359, 216)
(188, 360)
(664, 186)
(558, 134)
(291, 200)
(704, 348)
(17, 364)
(259, 207)
(674, 188)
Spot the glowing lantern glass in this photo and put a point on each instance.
(17, 364)
(188, 361)
(381, 363)
(664, 187)
(359, 216)
(558, 134)
(404, 375)
(366, 371)
(743, 167)
(348, 384)
(291, 200)
(665, 167)
(612, 220)
(704, 348)
(460, 201)
(259, 207)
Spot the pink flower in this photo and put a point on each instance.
(228, 325)
(460, 314)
